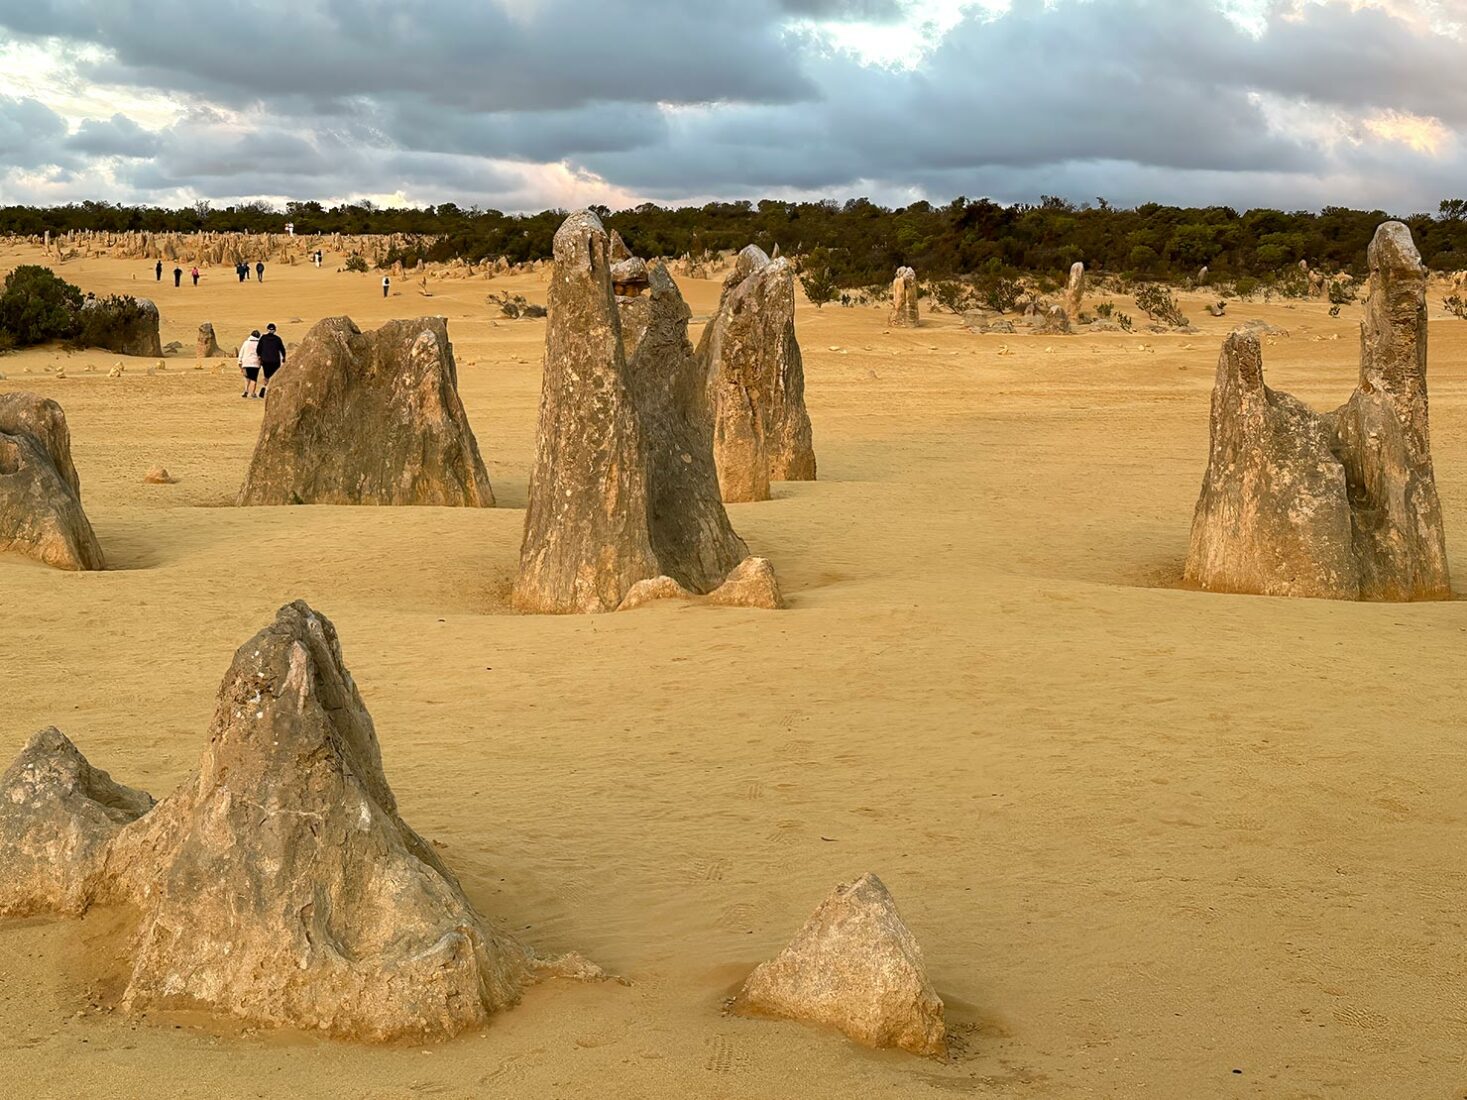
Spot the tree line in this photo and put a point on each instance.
(861, 242)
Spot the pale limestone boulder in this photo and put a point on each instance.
(41, 513)
(368, 418)
(1075, 292)
(1342, 505)
(278, 884)
(207, 344)
(854, 966)
(756, 379)
(904, 299)
(624, 487)
(752, 583)
(57, 816)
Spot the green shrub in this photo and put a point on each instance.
(816, 277)
(110, 323)
(1158, 303)
(356, 263)
(36, 306)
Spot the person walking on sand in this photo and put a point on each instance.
(178, 276)
(260, 271)
(240, 271)
(271, 353)
(386, 283)
(249, 363)
(195, 274)
(158, 271)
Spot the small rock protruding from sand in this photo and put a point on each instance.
(756, 380)
(41, 513)
(1075, 292)
(623, 488)
(207, 345)
(277, 886)
(368, 418)
(904, 299)
(57, 816)
(854, 966)
(158, 475)
(1217, 309)
(752, 583)
(1342, 506)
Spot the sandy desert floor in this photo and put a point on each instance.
(1154, 842)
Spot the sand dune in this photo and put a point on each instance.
(1147, 837)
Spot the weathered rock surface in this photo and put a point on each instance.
(207, 345)
(57, 816)
(904, 299)
(624, 488)
(159, 475)
(277, 885)
(752, 583)
(41, 513)
(854, 966)
(756, 378)
(1049, 321)
(368, 418)
(1342, 505)
(1075, 292)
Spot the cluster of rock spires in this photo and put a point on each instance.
(751, 360)
(41, 512)
(368, 418)
(277, 885)
(1342, 505)
(624, 487)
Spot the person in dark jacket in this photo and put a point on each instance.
(260, 271)
(271, 352)
(178, 276)
(158, 271)
(240, 271)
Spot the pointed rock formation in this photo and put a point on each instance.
(207, 345)
(277, 885)
(623, 488)
(854, 966)
(1075, 292)
(41, 513)
(1343, 505)
(756, 377)
(368, 418)
(904, 299)
(57, 816)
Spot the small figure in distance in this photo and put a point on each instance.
(249, 363)
(178, 276)
(158, 271)
(240, 271)
(271, 353)
(195, 274)
(386, 282)
(260, 271)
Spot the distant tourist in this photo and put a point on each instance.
(271, 353)
(240, 271)
(260, 271)
(318, 258)
(386, 282)
(158, 271)
(178, 276)
(249, 363)
(195, 274)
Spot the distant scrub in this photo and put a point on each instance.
(863, 243)
(37, 306)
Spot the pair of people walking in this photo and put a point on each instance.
(260, 355)
(243, 271)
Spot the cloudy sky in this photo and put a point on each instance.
(526, 104)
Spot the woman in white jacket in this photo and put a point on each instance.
(249, 363)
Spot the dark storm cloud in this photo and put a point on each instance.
(675, 99)
(118, 136)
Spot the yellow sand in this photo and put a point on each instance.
(1147, 837)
